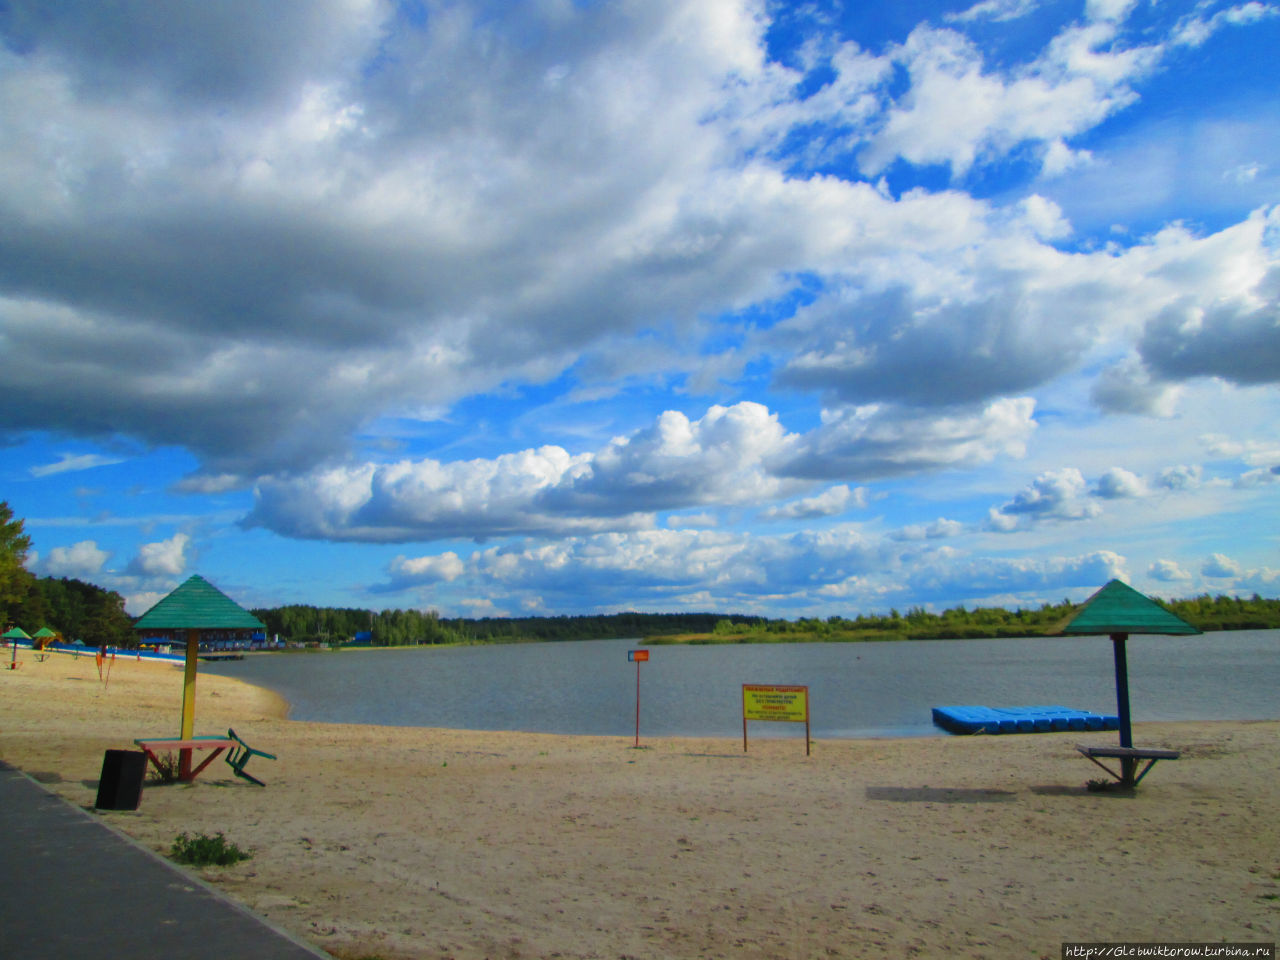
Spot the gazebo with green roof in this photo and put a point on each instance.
(1118, 610)
(195, 606)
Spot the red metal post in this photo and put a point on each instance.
(637, 702)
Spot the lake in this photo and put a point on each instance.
(855, 689)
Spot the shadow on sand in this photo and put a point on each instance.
(939, 795)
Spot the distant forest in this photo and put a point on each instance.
(83, 611)
(76, 610)
(409, 627)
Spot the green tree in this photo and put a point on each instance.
(15, 581)
(107, 624)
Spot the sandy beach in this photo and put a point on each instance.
(384, 842)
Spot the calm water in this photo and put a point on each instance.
(855, 689)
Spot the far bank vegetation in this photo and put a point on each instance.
(414, 627)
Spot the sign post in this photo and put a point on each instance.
(778, 703)
(637, 657)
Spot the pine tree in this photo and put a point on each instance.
(15, 581)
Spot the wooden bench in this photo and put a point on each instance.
(1129, 758)
(151, 746)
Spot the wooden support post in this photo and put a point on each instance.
(1128, 765)
(188, 702)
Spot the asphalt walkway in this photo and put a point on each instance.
(74, 888)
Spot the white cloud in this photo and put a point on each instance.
(356, 241)
(1111, 10)
(271, 240)
(167, 558)
(1059, 159)
(72, 462)
(1167, 571)
(83, 559)
(1220, 566)
(995, 10)
(824, 572)
(830, 503)
(1237, 340)
(1182, 477)
(1127, 387)
(1119, 484)
(959, 113)
(1194, 30)
(1054, 495)
(407, 571)
(138, 603)
(1044, 217)
(738, 455)
(866, 443)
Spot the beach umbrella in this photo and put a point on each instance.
(1118, 610)
(13, 636)
(194, 606)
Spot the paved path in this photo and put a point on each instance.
(73, 888)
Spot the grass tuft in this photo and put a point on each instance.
(203, 850)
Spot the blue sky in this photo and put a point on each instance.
(558, 308)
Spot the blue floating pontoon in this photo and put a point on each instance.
(1019, 719)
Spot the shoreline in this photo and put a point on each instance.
(408, 842)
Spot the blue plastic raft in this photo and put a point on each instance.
(972, 719)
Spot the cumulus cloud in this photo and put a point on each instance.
(167, 558)
(739, 455)
(1221, 567)
(1238, 341)
(960, 112)
(1054, 495)
(830, 503)
(1119, 484)
(1127, 387)
(692, 569)
(354, 240)
(872, 442)
(721, 568)
(264, 236)
(83, 559)
(418, 571)
(1182, 477)
(720, 458)
(940, 350)
(674, 464)
(1167, 571)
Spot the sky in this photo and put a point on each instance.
(573, 307)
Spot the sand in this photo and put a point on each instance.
(383, 842)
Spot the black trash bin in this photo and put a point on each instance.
(120, 786)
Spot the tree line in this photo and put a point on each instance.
(1205, 612)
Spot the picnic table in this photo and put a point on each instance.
(1129, 758)
(153, 746)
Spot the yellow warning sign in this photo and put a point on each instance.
(771, 702)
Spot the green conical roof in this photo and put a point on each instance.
(44, 632)
(198, 605)
(1118, 608)
(17, 633)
